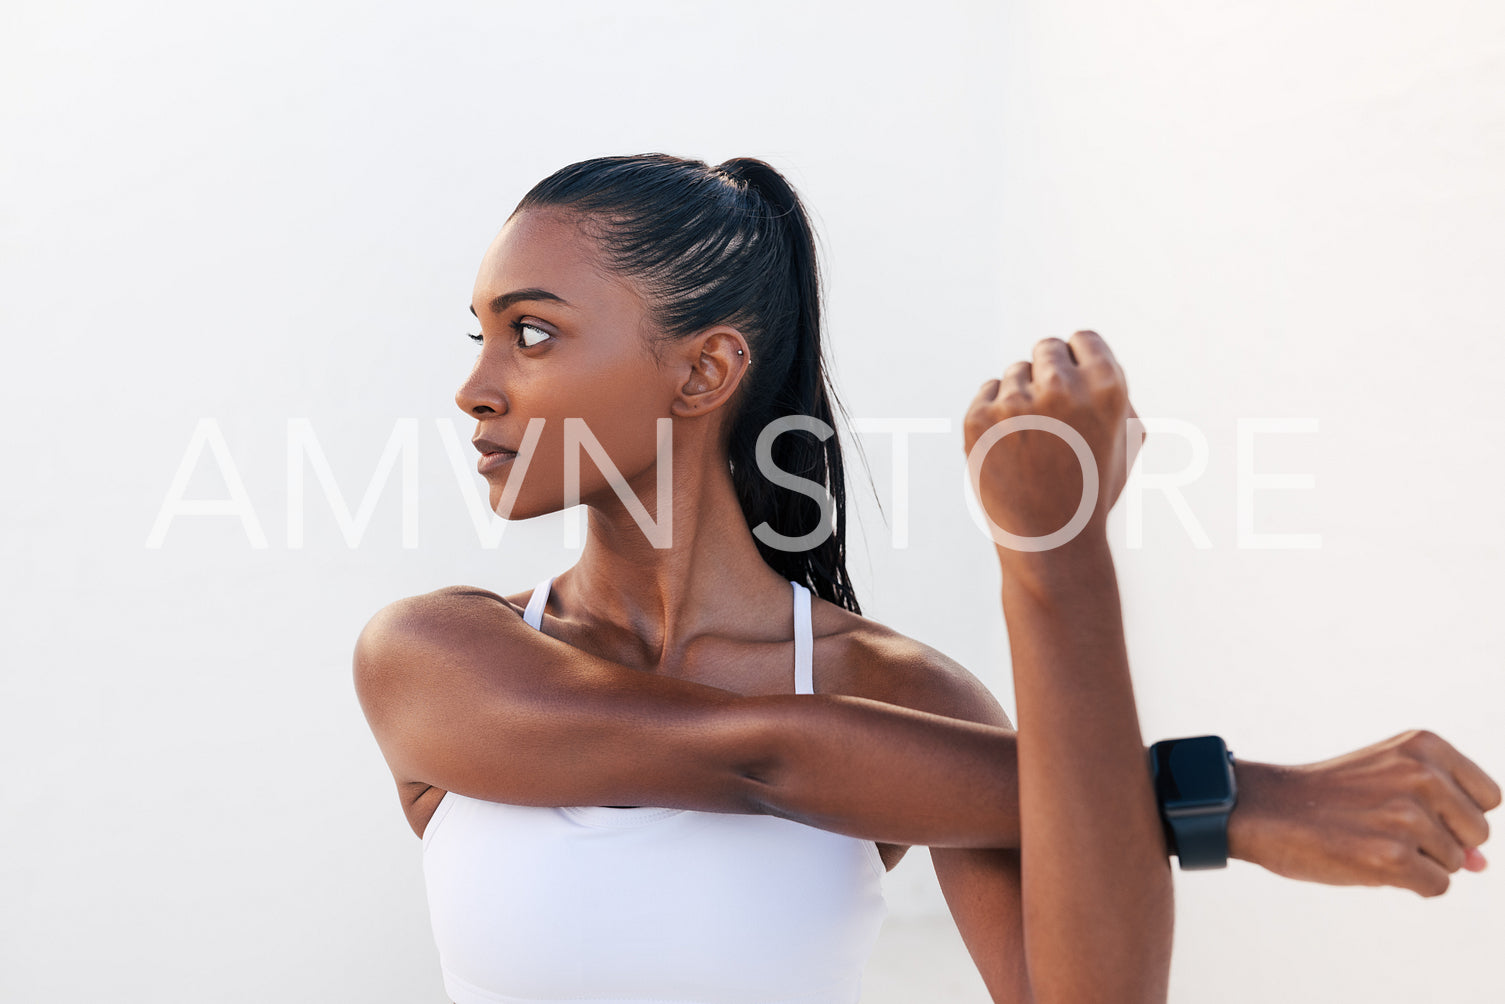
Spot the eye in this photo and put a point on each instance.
(529, 335)
(474, 337)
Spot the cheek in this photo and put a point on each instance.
(612, 410)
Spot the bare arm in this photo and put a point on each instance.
(461, 694)
(1097, 897)
(1097, 893)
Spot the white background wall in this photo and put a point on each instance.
(275, 212)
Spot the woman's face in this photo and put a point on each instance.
(562, 339)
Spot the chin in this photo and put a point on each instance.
(524, 508)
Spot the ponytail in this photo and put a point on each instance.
(805, 390)
(734, 245)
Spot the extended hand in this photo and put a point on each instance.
(1407, 812)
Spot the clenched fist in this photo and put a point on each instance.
(1406, 812)
(1048, 449)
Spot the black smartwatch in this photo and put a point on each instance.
(1195, 789)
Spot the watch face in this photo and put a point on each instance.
(1190, 773)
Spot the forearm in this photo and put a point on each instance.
(885, 773)
(1097, 893)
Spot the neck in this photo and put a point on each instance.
(710, 579)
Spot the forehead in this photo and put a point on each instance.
(546, 250)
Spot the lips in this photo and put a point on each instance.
(490, 462)
(486, 446)
(493, 455)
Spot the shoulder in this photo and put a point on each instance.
(410, 631)
(863, 658)
(449, 601)
(434, 609)
(418, 655)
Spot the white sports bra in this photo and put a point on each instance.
(595, 905)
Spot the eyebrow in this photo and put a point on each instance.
(506, 300)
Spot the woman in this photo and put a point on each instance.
(720, 834)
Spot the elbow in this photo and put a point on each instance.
(753, 758)
(753, 792)
(369, 669)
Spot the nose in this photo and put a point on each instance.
(479, 394)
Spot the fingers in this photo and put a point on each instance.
(1017, 380)
(1394, 859)
(1426, 877)
(1012, 389)
(1460, 794)
(1444, 813)
(986, 393)
(1096, 362)
(1461, 815)
(1455, 787)
(1093, 354)
(1479, 786)
(1438, 843)
(1055, 368)
(1053, 360)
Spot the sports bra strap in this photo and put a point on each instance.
(533, 615)
(804, 642)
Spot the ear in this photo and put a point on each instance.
(713, 364)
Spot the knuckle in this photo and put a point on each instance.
(1013, 402)
(1091, 340)
(1396, 855)
(1424, 779)
(1386, 856)
(1101, 367)
(1405, 816)
(1052, 384)
(1421, 741)
(1110, 393)
(979, 421)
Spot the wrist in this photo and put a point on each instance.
(1257, 811)
(1082, 562)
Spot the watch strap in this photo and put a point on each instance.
(1201, 841)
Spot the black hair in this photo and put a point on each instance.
(731, 244)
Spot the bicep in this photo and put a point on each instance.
(461, 694)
